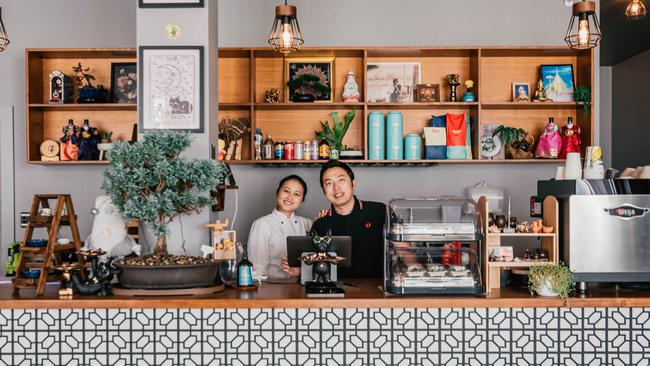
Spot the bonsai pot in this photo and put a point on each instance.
(545, 289)
(303, 98)
(92, 95)
(168, 277)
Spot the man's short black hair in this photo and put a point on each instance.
(335, 164)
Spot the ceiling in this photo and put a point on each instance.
(622, 38)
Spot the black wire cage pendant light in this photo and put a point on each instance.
(635, 10)
(4, 38)
(585, 32)
(285, 35)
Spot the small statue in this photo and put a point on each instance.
(540, 93)
(272, 96)
(109, 230)
(351, 90)
(452, 80)
(571, 140)
(88, 140)
(70, 141)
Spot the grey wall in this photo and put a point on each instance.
(606, 113)
(396, 23)
(631, 112)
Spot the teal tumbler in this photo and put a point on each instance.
(376, 136)
(394, 140)
(412, 147)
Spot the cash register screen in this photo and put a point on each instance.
(296, 245)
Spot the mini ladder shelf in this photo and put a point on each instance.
(42, 257)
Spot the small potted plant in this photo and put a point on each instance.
(334, 135)
(583, 94)
(550, 280)
(469, 96)
(308, 87)
(517, 142)
(105, 144)
(86, 92)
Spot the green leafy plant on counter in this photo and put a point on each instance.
(335, 134)
(557, 277)
(583, 94)
(509, 135)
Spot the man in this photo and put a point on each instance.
(362, 220)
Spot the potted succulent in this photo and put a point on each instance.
(334, 135)
(151, 181)
(86, 92)
(105, 144)
(550, 280)
(517, 142)
(308, 87)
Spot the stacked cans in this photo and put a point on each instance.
(296, 150)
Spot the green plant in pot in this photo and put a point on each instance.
(85, 91)
(583, 94)
(308, 87)
(551, 280)
(334, 135)
(517, 142)
(151, 181)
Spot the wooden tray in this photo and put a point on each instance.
(121, 291)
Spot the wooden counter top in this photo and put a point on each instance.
(366, 295)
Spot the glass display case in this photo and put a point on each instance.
(433, 246)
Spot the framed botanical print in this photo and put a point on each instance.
(124, 82)
(171, 3)
(171, 88)
(309, 79)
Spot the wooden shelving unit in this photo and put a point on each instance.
(246, 73)
(45, 121)
(549, 242)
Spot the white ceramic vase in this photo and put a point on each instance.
(545, 289)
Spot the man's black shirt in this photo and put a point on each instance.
(365, 224)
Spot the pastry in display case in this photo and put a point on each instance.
(433, 246)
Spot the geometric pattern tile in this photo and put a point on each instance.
(310, 337)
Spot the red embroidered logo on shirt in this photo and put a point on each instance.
(368, 225)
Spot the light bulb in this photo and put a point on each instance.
(583, 33)
(635, 10)
(286, 35)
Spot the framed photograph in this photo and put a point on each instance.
(558, 82)
(427, 93)
(392, 82)
(520, 92)
(310, 76)
(171, 3)
(171, 93)
(124, 82)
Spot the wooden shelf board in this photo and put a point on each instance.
(531, 105)
(516, 264)
(397, 162)
(83, 52)
(85, 107)
(415, 105)
(521, 235)
(69, 162)
(314, 105)
(226, 106)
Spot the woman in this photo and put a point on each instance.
(267, 240)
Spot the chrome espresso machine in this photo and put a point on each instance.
(433, 246)
(605, 228)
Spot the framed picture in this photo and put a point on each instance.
(427, 93)
(558, 82)
(491, 146)
(392, 82)
(171, 92)
(520, 92)
(171, 3)
(124, 82)
(301, 72)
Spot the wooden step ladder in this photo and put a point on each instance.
(43, 257)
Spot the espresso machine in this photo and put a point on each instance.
(605, 228)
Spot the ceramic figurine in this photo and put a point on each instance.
(351, 90)
(540, 93)
(537, 226)
(571, 140)
(88, 140)
(70, 141)
(272, 96)
(550, 143)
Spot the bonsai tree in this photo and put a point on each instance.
(335, 134)
(150, 181)
(309, 84)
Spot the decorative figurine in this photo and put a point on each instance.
(49, 150)
(86, 92)
(88, 140)
(99, 281)
(537, 226)
(67, 289)
(272, 96)
(70, 141)
(571, 140)
(109, 230)
(321, 261)
(452, 80)
(351, 90)
(540, 93)
(469, 96)
(60, 88)
(550, 142)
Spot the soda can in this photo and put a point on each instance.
(306, 154)
(279, 150)
(298, 151)
(314, 150)
(288, 150)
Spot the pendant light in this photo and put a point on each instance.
(586, 33)
(285, 35)
(635, 10)
(4, 38)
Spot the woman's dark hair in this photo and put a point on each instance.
(296, 178)
(335, 164)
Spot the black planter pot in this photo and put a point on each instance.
(303, 98)
(168, 277)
